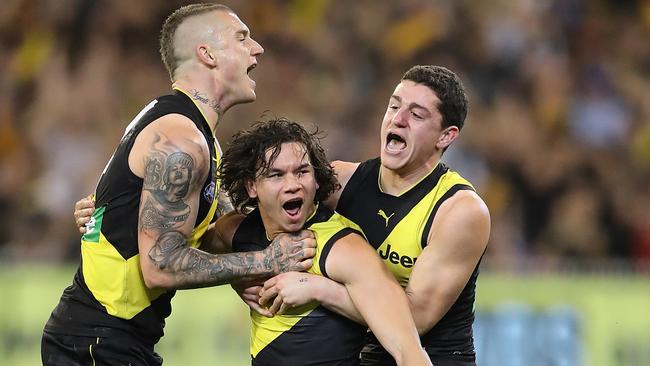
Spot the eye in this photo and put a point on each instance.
(393, 107)
(416, 115)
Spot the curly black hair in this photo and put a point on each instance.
(245, 159)
(448, 88)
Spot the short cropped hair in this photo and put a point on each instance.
(170, 26)
(448, 88)
(245, 159)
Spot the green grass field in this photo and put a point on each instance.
(210, 326)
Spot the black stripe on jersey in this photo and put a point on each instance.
(328, 246)
(326, 338)
(449, 193)
(361, 200)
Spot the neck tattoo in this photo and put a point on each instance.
(203, 98)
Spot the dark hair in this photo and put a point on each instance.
(170, 26)
(448, 88)
(245, 159)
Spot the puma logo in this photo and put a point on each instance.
(383, 214)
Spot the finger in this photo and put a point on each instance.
(309, 252)
(283, 309)
(85, 202)
(301, 235)
(305, 265)
(307, 243)
(270, 283)
(267, 295)
(82, 229)
(277, 303)
(250, 297)
(260, 310)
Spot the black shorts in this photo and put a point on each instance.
(373, 355)
(69, 350)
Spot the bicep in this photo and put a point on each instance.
(174, 166)
(352, 260)
(457, 241)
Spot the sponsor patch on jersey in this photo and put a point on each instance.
(208, 192)
(94, 226)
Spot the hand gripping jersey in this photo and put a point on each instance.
(108, 293)
(310, 334)
(398, 228)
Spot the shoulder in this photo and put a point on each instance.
(344, 171)
(171, 134)
(466, 203)
(463, 216)
(227, 225)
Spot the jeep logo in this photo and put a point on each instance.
(396, 258)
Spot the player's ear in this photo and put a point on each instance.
(251, 189)
(447, 136)
(206, 55)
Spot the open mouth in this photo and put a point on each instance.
(395, 142)
(292, 207)
(251, 67)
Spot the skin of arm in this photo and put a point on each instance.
(299, 288)
(172, 158)
(374, 291)
(458, 237)
(344, 171)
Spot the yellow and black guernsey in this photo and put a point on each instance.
(398, 228)
(309, 334)
(108, 295)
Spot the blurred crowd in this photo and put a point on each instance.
(557, 139)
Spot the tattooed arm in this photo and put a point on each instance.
(172, 157)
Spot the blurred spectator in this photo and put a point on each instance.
(557, 140)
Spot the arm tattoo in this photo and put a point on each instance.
(168, 180)
(224, 205)
(194, 268)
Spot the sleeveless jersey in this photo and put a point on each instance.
(398, 228)
(309, 334)
(108, 293)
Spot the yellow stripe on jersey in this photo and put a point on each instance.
(115, 282)
(401, 248)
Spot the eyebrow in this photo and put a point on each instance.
(243, 32)
(412, 105)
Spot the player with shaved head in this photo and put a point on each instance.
(156, 199)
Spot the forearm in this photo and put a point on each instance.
(178, 266)
(335, 297)
(428, 308)
(388, 316)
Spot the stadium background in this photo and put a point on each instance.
(557, 141)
